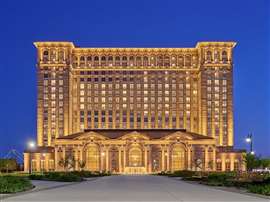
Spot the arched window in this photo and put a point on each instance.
(61, 55)
(236, 165)
(160, 60)
(194, 60)
(139, 61)
(224, 56)
(173, 60)
(53, 55)
(181, 61)
(89, 58)
(153, 60)
(82, 58)
(216, 56)
(218, 165)
(89, 61)
(131, 61)
(96, 61)
(209, 56)
(45, 56)
(110, 60)
(188, 61)
(82, 61)
(124, 61)
(117, 61)
(103, 61)
(227, 165)
(145, 61)
(167, 61)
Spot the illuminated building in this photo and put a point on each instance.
(135, 110)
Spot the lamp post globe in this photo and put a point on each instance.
(31, 147)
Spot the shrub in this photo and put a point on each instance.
(260, 189)
(13, 184)
(57, 176)
(183, 173)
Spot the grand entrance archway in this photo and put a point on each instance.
(178, 157)
(92, 158)
(135, 157)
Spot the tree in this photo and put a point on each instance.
(82, 164)
(252, 161)
(265, 163)
(64, 162)
(71, 163)
(8, 165)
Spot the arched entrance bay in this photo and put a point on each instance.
(178, 157)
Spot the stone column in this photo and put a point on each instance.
(120, 159)
(232, 162)
(150, 159)
(168, 159)
(162, 159)
(145, 158)
(56, 159)
(206, 158)
(124, 158)
(46, 162)
(223, 161)
(37, 157)
(64, 152)
(101, 159)
(107, 159)
(76, 159)
(189, 157)
(214, 159)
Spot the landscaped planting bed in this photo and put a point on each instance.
(72, 176)
(13, 184)
(57, 176)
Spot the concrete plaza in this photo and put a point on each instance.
(133, 188)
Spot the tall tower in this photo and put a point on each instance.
(216, 76)
(53, 73)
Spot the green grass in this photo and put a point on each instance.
(13, 184)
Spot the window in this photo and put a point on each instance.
(145, 61)
(96, 61)
(216, 56)
(209, 56)
(45, 56)
(187, 61)
(224, 57)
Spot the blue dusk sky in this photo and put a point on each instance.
(140, 23)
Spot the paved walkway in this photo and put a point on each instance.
(134, 188)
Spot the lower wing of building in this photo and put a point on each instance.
(141, 151)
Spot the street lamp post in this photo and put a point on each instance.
(249, 140)
(31, 146)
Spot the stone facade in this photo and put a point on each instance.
(135, 110)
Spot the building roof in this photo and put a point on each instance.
(151, 133)
(42, 149)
